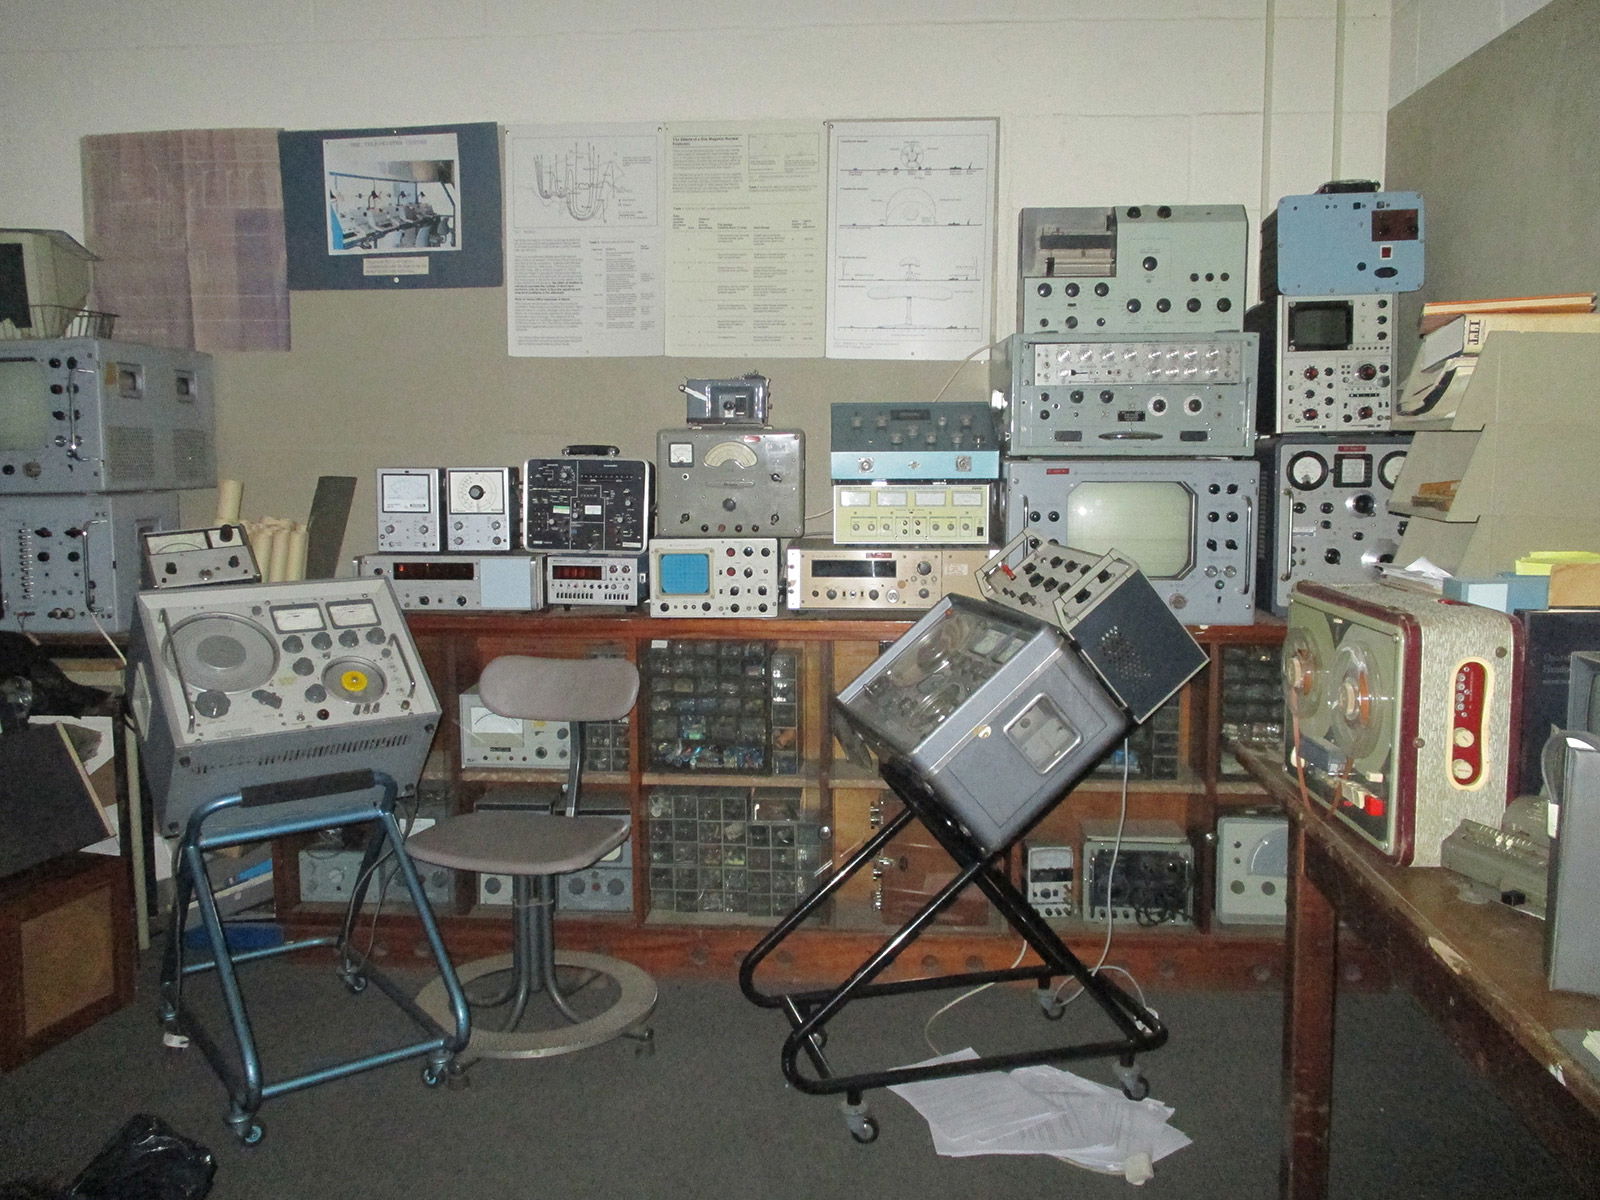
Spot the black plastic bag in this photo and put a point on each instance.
(146, 1160)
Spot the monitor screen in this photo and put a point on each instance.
(1150, 521)
(1321, 325)
(24, 405)
(684, 573)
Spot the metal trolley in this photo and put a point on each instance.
(810, 1011)
(277, 810)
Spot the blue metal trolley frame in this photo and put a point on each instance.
(256, 814)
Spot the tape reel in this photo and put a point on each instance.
(1308, 652)
(1362, 699)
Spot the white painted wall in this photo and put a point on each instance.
(1100, 101)
(1431, 36)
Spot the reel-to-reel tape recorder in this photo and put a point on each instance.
(236, 686)
(1399, 707)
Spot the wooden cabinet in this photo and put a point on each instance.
(726, 838)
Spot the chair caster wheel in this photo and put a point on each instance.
(863, 1126)
(1136, 1088)
(864, 1130)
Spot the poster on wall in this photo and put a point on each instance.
(911, 238)
(392, 208)
(746, 238)
(584, 240)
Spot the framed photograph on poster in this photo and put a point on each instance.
(392, 208)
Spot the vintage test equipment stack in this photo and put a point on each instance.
(728, 487)
(1130, 393)
(982, 719)
(97, 438)
(913, 508)
(447, 539)
(1333, 266)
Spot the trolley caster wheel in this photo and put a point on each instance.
(249, 1133)
(1137, 1088)
(864, 1130)
(819, 1039)
(1052, 1005)
(355, 984)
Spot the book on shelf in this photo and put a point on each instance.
(1440, 312)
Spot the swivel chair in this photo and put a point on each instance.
(534, 848)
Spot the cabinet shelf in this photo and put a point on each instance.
(840, 803)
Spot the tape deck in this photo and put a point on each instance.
(1399, 706)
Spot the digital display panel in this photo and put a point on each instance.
(577, 571)
(433, 572)
(849, 568)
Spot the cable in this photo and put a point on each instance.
(1111, 870)
(927, 1035)
(959, 367)
(115, 649)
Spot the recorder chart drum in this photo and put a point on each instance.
(221, 653)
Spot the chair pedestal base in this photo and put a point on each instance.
(635, 1002)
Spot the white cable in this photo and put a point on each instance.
(927, 1035)
(1111, 871)
(115, 649)
(957, 371)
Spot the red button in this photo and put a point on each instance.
(1374, 806)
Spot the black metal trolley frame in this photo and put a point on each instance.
(810, 1011)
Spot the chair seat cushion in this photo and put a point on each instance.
(505, 842)
(559, 689)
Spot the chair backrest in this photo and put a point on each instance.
(559, 689)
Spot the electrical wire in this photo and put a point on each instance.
(1111, 870)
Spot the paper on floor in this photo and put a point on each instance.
(1043, 1110)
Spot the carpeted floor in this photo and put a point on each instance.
(708, 1113)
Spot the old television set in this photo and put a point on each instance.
(1188, 524)
(44, 282)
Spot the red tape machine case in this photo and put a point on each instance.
(1400, 709)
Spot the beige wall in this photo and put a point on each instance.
(1099, 102)
(1505, 147)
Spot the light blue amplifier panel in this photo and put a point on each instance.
(1344, 243)
(953, 441)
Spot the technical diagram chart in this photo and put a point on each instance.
(911, 238)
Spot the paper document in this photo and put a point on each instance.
(584, 240)
(911, 238)
(746, 239)
(1043, 1110)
